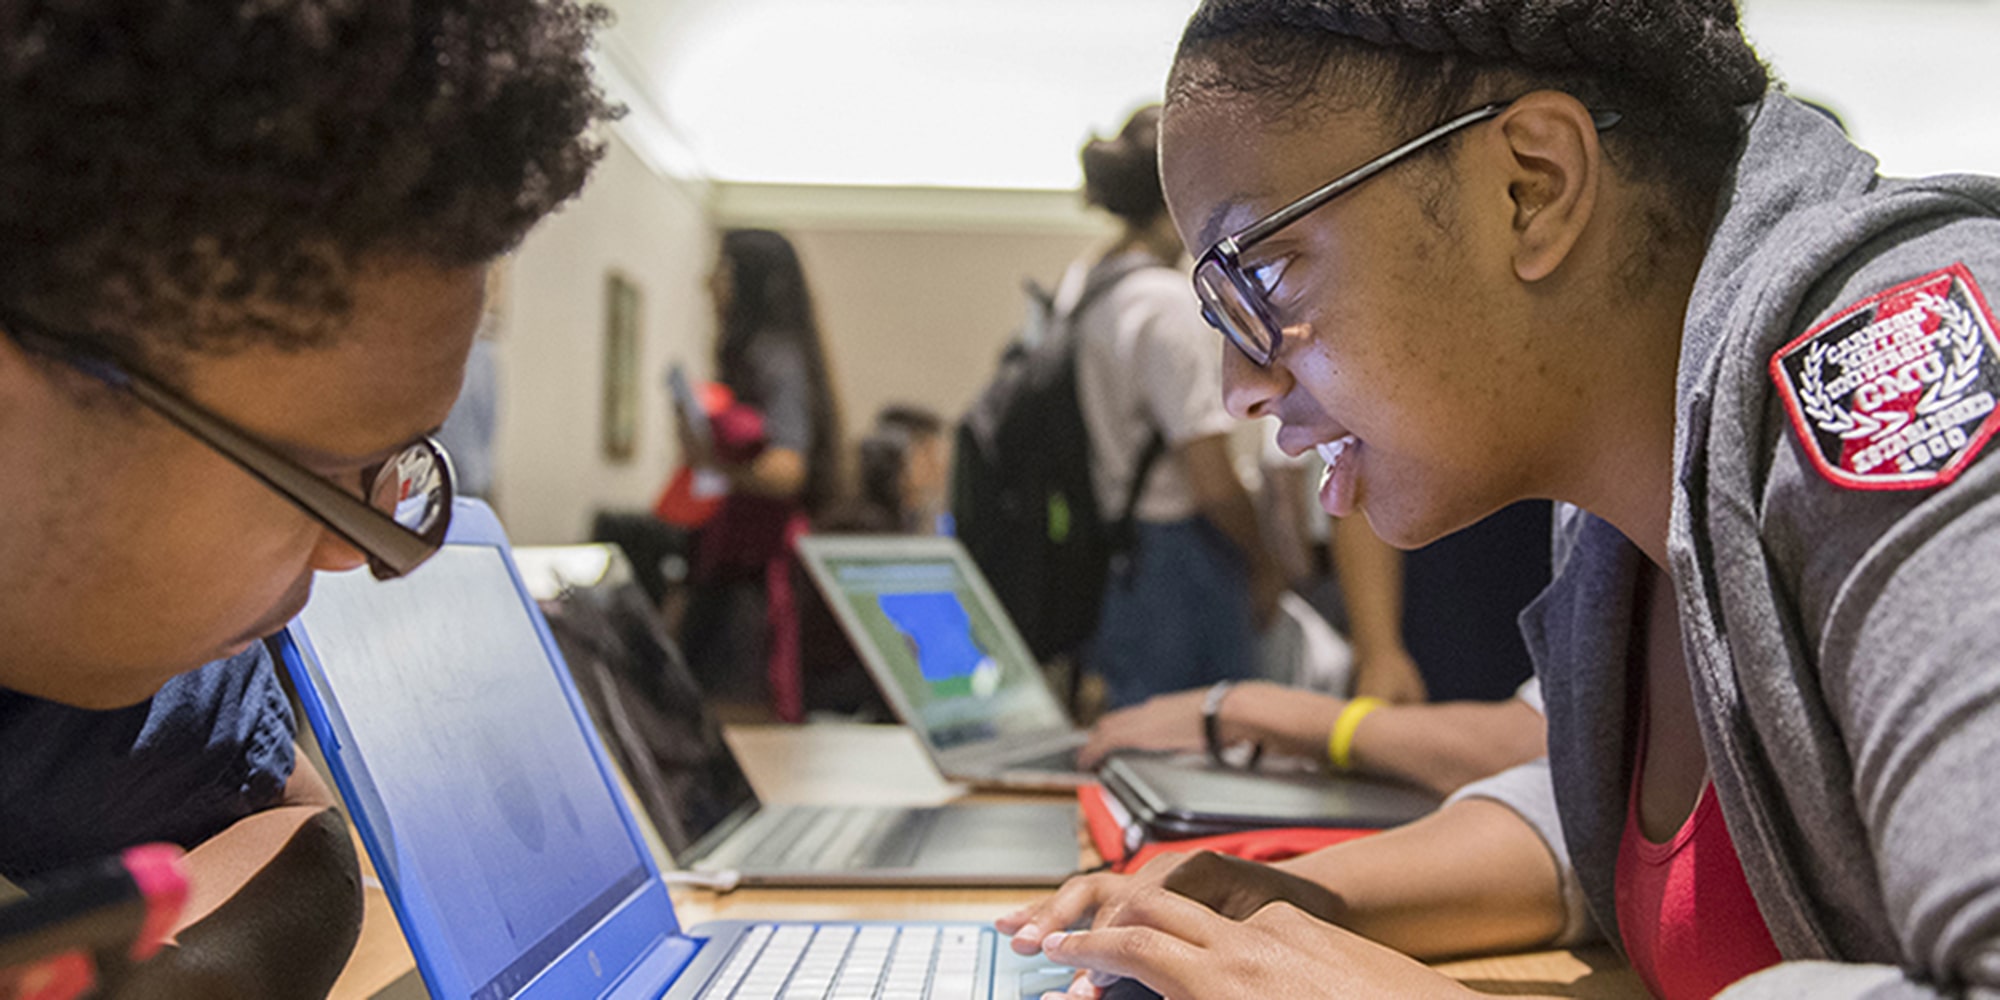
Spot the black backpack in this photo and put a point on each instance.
(1022, 498)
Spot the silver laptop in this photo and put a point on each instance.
(710, 822)
(947, 658)
(484, 796)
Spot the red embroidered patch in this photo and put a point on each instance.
(1896, 392)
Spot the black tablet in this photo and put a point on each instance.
(1175, 798)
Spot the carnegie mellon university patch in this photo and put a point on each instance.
(1896, 392)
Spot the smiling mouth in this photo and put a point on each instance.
(1330, 451)
(1339, 487)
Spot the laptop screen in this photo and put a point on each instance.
(963, 678)
(499, 807)
(648, 709)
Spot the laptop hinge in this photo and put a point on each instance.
(649, 976)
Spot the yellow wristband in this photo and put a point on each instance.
(1340, 745)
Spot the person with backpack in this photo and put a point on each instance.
(1183, 601)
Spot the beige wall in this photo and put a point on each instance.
(550, 469)
(917, 291)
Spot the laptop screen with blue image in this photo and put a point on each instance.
(963, 675)
(491, 814)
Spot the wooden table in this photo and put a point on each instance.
(884, 765)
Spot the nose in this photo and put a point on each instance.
(334, 554)
(1250, 392)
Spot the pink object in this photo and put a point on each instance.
(156, 869)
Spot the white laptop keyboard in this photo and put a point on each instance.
(821, 838)
(848, 962)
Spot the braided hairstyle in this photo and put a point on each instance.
(1677, 70)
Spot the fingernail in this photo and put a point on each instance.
(1054, 941)
(1101, 980)
(1031, 932)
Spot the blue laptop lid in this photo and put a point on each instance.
(477, 781)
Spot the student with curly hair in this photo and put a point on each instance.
(1583, 250)
(242, 255)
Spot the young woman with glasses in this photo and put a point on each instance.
(1583, 250)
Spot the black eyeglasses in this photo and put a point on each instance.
(407, 509)
(1231, 299)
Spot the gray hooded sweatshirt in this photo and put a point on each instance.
(1839, 599)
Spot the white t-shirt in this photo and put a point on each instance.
(1145, 360)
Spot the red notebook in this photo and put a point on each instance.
(1123, 845)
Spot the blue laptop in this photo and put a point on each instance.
(495, 821)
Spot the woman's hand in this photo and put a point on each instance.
(1231, 887)
(1185, 950)
(1391, 675)
(1163, 722)
(1284, 721)
(1085, 897)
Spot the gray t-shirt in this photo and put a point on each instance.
(1145, 362)
(780, 387)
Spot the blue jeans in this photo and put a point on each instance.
(1178, 618)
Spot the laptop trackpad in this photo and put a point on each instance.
(1033, 838)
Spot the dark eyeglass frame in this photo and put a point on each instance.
(1226, 255)
(392, 549)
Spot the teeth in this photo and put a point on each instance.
(1331, 451)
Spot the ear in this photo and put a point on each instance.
(1555, 166)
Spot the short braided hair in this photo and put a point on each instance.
(205, 175)
(1678, 70)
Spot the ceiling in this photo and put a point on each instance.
(1001, 93)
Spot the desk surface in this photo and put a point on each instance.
(884, 765)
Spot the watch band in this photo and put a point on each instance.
(1211, 726)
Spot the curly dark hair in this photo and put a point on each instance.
(1122, 175)
(1678, 70)
(205, 175)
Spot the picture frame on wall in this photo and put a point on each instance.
(622, 304)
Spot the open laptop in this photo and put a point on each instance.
(494, 818)
(947, 657)
(649, 711)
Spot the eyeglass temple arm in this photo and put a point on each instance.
(401, 550)
(1305, 205)
(1602, 120)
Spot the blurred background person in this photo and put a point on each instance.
(776, 448)
(1184, 609)
(902, 476)
(901, 484)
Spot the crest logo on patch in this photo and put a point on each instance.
(1898, 391)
